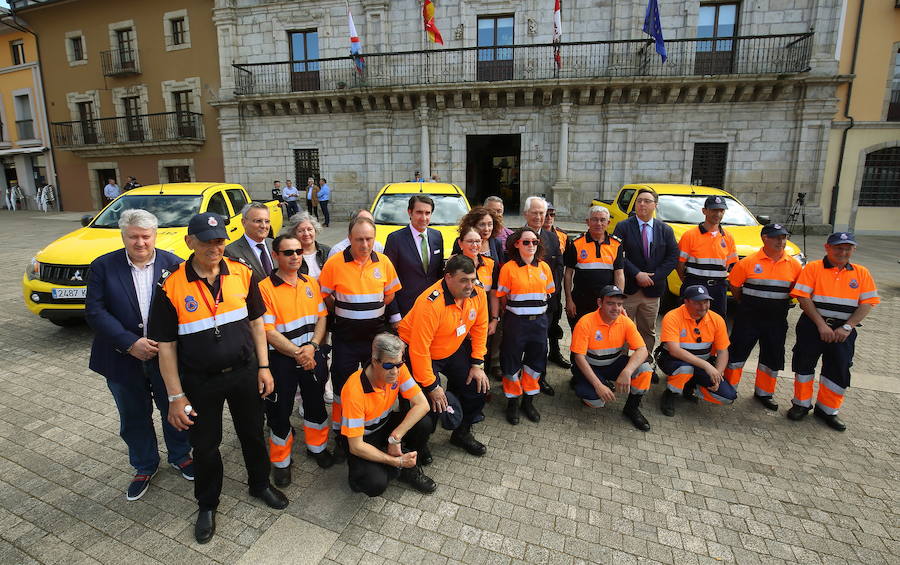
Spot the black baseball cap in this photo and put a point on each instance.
(840, 237)
(715, 203)
(775, 229)
(611, 290)
(452, 416)
(207, 226)
(696, 292)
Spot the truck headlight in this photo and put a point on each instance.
(33, 271)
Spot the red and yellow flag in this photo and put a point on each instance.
(428, 18)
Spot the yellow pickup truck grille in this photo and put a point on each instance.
(70, 275)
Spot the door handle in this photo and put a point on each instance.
(233, 229)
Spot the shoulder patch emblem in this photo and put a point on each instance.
(309, 293)
(376, 272)
(471, 313)
(190, 304)
(583, 254)
(854, 283)
(683, 333)
(434, 295)
(757, 268)
(543, 277)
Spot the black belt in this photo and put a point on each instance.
(532, 317)
(237, 367)
(834, 322)
(707, 282)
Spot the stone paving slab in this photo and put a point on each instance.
(711, 485)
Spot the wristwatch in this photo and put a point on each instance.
(315, 345)
(847, 328)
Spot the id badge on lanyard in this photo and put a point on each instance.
(215, 308)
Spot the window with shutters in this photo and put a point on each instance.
(708, 168)
(306, 164)
(881, 178)
(18, 52)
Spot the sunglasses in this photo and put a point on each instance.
(389, 366)
(291, 252)
(698, 339)
(528, 241)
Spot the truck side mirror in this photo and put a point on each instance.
(86, 219)
(764, 219)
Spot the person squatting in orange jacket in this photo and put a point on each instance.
(835, 296)
(446, 331)
(761, 284)
(295, 324)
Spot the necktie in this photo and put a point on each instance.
(646, 241)
(264, 258)
(423, 245)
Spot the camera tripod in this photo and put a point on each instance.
(798, 211)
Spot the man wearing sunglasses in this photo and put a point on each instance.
(384, 444)
(446, 330)
(696, 352)
(295, 324)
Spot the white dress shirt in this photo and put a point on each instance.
(143, 286)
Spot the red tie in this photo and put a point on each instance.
(645, 240)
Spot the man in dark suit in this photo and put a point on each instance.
(255, 248)
(417, 253)
(535, 211)
(650, 253)
(120, 288)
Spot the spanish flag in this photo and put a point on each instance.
(428, 18)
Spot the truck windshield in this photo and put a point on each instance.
(171, 211)
(391, 209)
(686, 209)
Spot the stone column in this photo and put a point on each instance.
(424, 148)
(562, 188)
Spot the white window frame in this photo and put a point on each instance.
(167, 30)
(34, 118)
(170, 86)
(113, 40)
(164, 174)
(70, 53)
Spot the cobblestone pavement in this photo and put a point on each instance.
(714, 484)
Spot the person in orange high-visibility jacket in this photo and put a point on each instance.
(357, 285)
(446, 331)
(524, 289)
(761, 284)
(695, 352)
(207, 316)
(295, 324)
(835, 296)
(707, 251)
(602, 366)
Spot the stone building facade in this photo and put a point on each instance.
(491, 111)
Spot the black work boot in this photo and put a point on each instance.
(667, 403)
(529, 410)
(462, 437)
(632, 411)
(688, 392)
(418, 480)
(797, 412)
(512, 411)
(281, 476)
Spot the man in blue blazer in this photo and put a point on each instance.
(119, 291)
(651, 253)
(417, 253)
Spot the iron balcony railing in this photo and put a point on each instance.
(765, 54)
(137, 129)
(120, 62)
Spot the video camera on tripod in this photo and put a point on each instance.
(798, 210)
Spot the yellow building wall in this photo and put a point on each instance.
(13, 80)
(880, 34)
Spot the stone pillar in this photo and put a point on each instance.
(225, 20)
(424, 148)
(562, 188)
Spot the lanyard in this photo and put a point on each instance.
(214, 309)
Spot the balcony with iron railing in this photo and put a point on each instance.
(169, 132)
(120, 62)
(581, 61)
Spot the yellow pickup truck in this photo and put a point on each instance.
(680, 206)
(54, 282)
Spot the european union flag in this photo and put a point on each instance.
(653, 28)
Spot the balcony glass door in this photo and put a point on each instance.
(87, 123)
(716, 57)
(495, 55)
(304, 64)
(134, 129)
(184, 118)
(125, 46)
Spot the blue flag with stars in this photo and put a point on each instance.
(653, 28)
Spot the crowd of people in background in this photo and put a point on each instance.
(400, 340)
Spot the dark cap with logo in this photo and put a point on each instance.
(611, 290)
(840, 237)
(715, 203)
(775, 229)
(207, 226)
(451, 417)
(696, 292)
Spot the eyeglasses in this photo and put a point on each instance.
(290, 252)
(528, 241)
(472, 241)
(389, 366)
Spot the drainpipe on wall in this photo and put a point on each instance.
(835, 190)
(13, 22)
